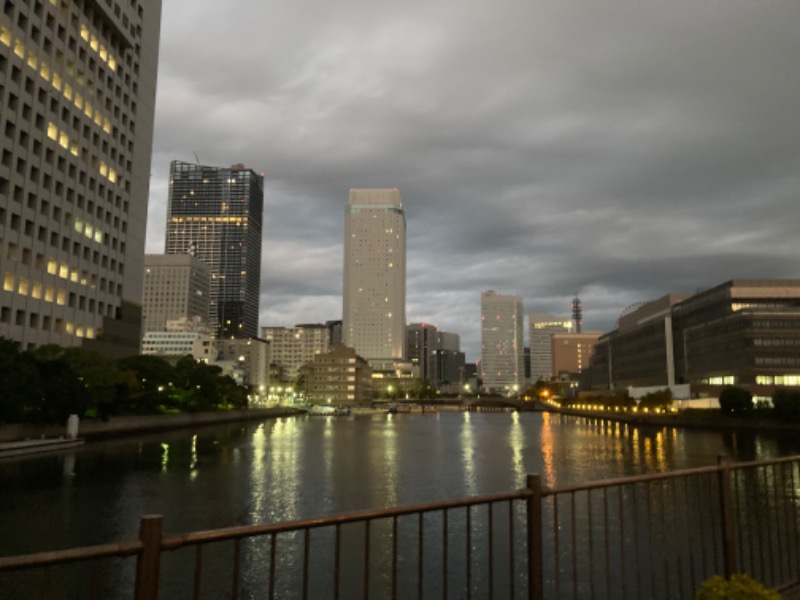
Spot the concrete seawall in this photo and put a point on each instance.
(133, 424)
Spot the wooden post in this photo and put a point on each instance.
(149, 561)
(535, 550)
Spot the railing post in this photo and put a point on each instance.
(149, 562)
(535, 550)
(726, 511)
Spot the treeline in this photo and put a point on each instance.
(738, 401)
(51, 382)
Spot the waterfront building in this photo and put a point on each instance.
(77, 93)
(252, 359)
(374, 290)
(542, 328)
(741, 332)
(215, 214)
(176, 286)
(572, 352)
(180, 343)
(421, 343)
(338, 377)
(448, 371)
(502, 367)
(292, 347)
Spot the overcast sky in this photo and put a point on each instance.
(622, 150)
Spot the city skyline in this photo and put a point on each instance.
(621, 151)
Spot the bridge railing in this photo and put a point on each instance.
(657, 535)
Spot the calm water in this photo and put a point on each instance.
(300, 467)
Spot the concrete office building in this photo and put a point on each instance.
(77, 93)
(176, 286)
(542, 328)
(502, 366)
(215, 213)
(251, 357)
(572, 352)
(421, 343)
(180, 343)
(741, 332)
(292, 347)
(374, 291)
(338, 377)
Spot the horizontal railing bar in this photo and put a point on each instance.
(54, 557)
(217, 535)
(633, 479)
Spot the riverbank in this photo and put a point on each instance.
(695, 419)
(120, 426)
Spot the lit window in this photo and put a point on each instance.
(8, 282)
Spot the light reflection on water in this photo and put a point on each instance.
(294, 468)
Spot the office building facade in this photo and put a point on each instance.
(77, 94)
(374, 291)
(502, 344)
(542, 328)
(338, 377)
(215, 214)
(176, 286)
(292, 347)
(421, 343)
(741, 332)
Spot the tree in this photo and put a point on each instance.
(659, 400)
(787, 404)
(20, 385)
(735, 401)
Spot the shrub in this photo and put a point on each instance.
(735, 401)
(738, 587)
(659, 401)
(787, 404)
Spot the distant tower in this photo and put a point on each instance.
(577, 313)
(374, 303)
(502, 347)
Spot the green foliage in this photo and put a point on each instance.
(738, 587)
(787, 404)
(659, 401)
(51, 383)
(735, 401)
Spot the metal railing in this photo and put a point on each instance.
(657, 535)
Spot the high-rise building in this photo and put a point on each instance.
(572, 352)
(292, 347)
(374, 303)
(502, 362)
(176, 286)
(421, 342)
(77, 94)
(542, 328)
(215, 214)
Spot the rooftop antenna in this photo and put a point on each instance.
(196, 158)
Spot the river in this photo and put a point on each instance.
(297, 467)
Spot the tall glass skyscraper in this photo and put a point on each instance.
(502, 356)
(374, 302)
(77, 95)
(215, 214)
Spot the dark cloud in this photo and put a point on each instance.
(620, 149)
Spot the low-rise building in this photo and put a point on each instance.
(338, 377)
(180, 343)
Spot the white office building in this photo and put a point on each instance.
(180, 343)
(176, 287)
(503, 352)
(543, 327)
(293, 347)
(77, 96)
(374, 303)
